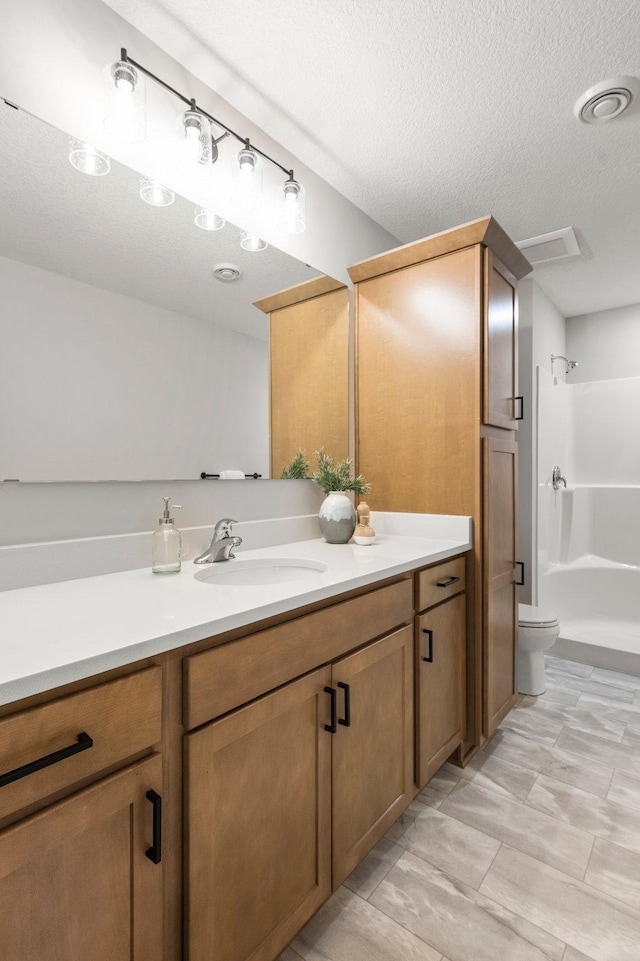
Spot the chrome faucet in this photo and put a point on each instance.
(222, 543)
(557, 479)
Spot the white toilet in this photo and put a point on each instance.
(537, 632)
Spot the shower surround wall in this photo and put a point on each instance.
(589, 534)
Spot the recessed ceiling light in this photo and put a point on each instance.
(607, 99)
(226, 272)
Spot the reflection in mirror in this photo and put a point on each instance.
(123, 356)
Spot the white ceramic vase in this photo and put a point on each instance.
(337, 518)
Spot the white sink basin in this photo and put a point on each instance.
(254, 573)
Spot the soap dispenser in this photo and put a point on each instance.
(167, 543)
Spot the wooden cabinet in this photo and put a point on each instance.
(75, 878)
(436, 350)
(75, 881)
(306, 777)
(372, 750)
(440, 685)
(308, 350)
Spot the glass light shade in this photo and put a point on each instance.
(87, 159)
(125, 111)
(247, 180)
(154, 193)
(207, 220)
(195, 157)
(292, 218)
(252, 242)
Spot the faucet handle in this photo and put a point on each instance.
(223, 527)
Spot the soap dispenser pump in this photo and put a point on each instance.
(167, 543)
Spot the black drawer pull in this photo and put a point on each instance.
(520, 416)
(83, 742)
(333, 727)
(154, 853)
(449, 581)
(429, 658)
(520, 582)
(346, 720)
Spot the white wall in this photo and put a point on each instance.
(606, 344)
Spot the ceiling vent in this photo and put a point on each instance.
(227, 272)
(555, 245)
(607, 99)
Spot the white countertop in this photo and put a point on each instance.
(57, 633)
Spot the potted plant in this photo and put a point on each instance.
(337, 516)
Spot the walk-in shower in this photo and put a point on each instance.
(589, 530)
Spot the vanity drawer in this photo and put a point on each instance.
(435, 584)
(121, 717)
(225, 677)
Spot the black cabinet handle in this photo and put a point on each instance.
(83, 741)
(154, 853)
(429, 634)
(520, 416)
(520, 564)
(346, 720)
(449, 581)
(333, 727)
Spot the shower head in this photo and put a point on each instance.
(570, 363)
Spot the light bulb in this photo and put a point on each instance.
(155, 193)
(250, 241)
(292, 214)
(247, 189)
(195, 151)
(207, 220)
(87, 159)
(125, 106)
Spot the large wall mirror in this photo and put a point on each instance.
(123, 357)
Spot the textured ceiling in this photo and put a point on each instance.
(427, 114)
(97, 230)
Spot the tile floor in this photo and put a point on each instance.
(532, 853)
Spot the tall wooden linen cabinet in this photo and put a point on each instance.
(437, 416)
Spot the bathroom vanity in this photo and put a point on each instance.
(218, 760)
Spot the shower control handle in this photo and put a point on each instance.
(557, 479)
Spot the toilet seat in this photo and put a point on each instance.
(529, 616)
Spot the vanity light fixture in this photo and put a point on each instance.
(292, 216)
(247, 179)
(250, 241)
(125, 116)
(207, 220)
(155, 193)
(87, 159)
(196, 149)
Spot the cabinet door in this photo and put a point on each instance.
(500, 623)
(75, 882)
(372, 750)
(440, 680)
(259, 808)
(500, 346)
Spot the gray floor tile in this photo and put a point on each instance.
(495, 774)
(587, 919)
(289, 955)
(598, 816)
(458, 921)
(377, 864)
(533, 832)
(625, 789)
(605, 725)
(599, 750)
(440, 785)
(629, 682)
(347, 928)
(557, 695)
(535, 724)
(586, 685)
(457, 849)
(628, 711)
(571, 954)
(572, 668)
(616, 871)
(556, 763)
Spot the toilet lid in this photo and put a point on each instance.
(529, 616)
